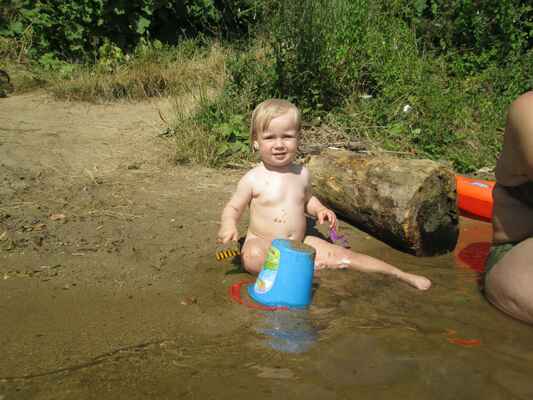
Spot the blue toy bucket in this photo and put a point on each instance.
(286, 278)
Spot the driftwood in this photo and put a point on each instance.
(316, 148)
(408, 204)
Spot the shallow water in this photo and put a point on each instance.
(373, 337)
(364, 337)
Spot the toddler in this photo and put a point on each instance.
(278, 192)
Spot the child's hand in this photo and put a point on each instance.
(226, 234)
(327, 215)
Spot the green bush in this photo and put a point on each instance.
(215, 135)
(74, 30)
(318, 50)
(427, 78)
(221, 124)
(472, 34)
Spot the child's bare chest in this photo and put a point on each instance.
(281, 190)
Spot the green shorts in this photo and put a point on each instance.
(496, 253)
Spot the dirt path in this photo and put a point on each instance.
(104, 243)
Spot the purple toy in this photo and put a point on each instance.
(337, 239)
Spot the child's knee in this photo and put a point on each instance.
(253, 258)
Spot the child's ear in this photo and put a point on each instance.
(256, 145)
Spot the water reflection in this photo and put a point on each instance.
(473, 245)
(288, 331)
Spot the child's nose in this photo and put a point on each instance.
(279, 142)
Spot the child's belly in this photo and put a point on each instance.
(277, 226)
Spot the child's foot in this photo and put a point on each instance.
(417, 281)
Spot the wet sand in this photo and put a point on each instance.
(109, 288)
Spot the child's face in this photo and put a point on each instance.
(278, 143)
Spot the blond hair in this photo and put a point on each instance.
(266, 111)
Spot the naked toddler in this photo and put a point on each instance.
(278, 192)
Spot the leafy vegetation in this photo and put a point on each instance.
(152, 70)
(429, 78)
(77, 30)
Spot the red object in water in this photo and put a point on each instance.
(235, 294)
(465, 342)
(461, 342)
(474, 197)
(474, 255)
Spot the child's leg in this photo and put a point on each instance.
(253, 253)
(329, 255)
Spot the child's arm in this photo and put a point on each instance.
(233, 210)
(316, 209)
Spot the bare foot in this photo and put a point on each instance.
(417, 281)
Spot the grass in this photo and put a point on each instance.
(162, 72)
(371, 81)
(151, 71)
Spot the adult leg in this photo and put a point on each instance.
(508, 284)
(253, 253)
(332, 256)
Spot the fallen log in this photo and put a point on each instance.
(408, 204)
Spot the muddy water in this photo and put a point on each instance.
(364, 337)
(109, 288)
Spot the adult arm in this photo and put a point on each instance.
(520, 125)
